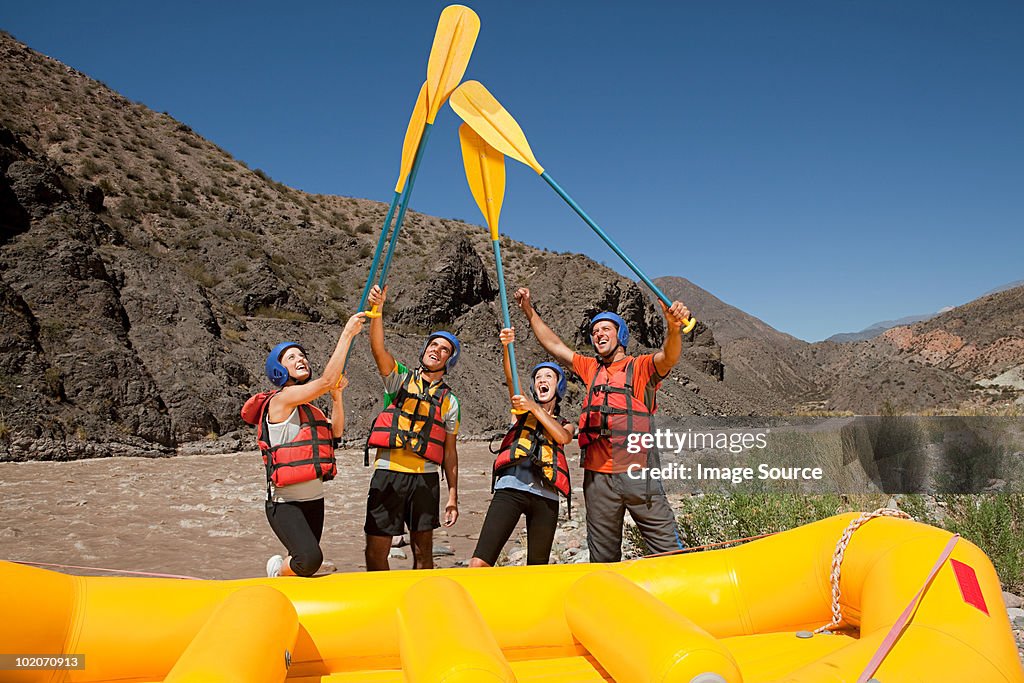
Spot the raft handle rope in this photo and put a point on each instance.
(104, 569)
(840, 553)
(709, 546)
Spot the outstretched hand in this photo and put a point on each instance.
(338, 388)
(524, 404)
(522, 297)
(507, 335)
(377, 296)
(355, 324)
(676, 315)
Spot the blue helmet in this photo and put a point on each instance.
(623, 335)
(450, 338)
(562, 382)
(276, 373)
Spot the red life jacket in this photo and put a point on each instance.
(612, 411)
(527, 439)
(413, 422)
(309, 456)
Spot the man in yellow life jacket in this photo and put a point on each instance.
(620, 401)
(414, 436)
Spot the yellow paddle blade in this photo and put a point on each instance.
(412, 137)
(488, 118)
(485, 171)
(454, 39)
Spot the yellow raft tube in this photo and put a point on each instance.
(728, 616)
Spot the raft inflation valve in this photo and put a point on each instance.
(804, 634)
(287, 659)
(707, 678)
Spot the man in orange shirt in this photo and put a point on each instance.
(620, 401)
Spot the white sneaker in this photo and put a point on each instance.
(274, 566)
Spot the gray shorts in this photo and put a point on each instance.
(608, 496)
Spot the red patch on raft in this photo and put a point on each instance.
(970, 589)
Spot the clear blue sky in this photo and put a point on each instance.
(819, 164)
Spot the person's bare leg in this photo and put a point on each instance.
(476, 562)
(422, 543)
(376, 553)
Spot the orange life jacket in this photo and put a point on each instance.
(612, 411)
(527, 439)
(413, 422)
(309, 456)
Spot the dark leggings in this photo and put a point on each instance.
(299, 525)
(503, 515)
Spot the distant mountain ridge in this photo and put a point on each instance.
(970, 356)
(875, 329)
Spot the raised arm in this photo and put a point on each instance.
(381, 356)
(548, 421)
(675, 317)
(507, 336)
(285, 401)
(338, 408)
(545, 335)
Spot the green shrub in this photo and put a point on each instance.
(714, 518)
(198, 273)
(994, 523)
(91, 168)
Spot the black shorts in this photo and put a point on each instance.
(506, 507)
(398, 500)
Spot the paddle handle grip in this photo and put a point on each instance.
(689, 324)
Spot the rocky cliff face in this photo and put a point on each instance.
(69, 365)
(144, 274)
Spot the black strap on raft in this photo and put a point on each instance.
(413, 438)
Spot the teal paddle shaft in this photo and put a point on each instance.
(405, 204)
(607, 240)
(380, 248)
(505, 316)
(386, 228)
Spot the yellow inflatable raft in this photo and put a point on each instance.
(741, 614)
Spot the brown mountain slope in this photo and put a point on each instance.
(144, 273)
(728, 322)
(970, 356)
(758, 359)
